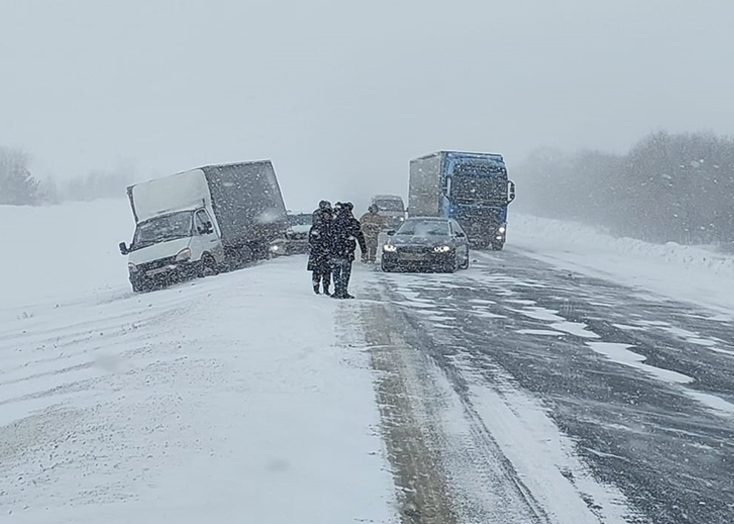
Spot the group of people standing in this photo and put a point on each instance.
(333, 240)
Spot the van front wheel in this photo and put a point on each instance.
(138, 285)
(207, 266)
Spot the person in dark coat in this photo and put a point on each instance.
(324, 205)
(319, 242)
(345, 233)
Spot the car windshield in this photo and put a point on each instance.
(390, 205)
(163, 229)
(424, 228)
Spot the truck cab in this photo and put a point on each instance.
(471, 188)
(172, 247)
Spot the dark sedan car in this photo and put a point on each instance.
(426, 244)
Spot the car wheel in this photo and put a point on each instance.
(387, 268)
(453, 266)
(465, 264)
(497, 246)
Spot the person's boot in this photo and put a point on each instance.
(326, 290)
(316, 288)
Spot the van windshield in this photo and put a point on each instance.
(163, 228)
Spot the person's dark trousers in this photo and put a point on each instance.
(342, 271)
(323, 277)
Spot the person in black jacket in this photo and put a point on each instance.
(345, 233)
(319, 242)
(324, 205)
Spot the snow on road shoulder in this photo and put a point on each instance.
(57, 253)
(227, 399)
(688, 273)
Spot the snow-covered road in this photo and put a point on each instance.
(550, 383)
(549, 396)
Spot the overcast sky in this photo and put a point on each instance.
(341, 94)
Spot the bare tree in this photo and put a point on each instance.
(667, 188)
(17, 185)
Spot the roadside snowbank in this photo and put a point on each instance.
(227, 399)
(689, 273)
(54, 252)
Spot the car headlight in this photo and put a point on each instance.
(441, 249)
(389, 248)
(501, 229)
(184, 255)
(402, 219)
(131, 267)
(274, 248)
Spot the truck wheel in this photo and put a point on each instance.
(497, 246)
(247, 255)
(208, 266)
(387, 268)
(483, 243)
(138, 286)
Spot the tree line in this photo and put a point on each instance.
(18, 186)
(668, 187)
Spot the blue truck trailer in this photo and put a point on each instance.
(471, 188)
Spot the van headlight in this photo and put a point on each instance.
(184, 255)
(441, 249)
(501, 229)
(389, 248)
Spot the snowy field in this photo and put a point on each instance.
(689, 273)
(235, 398)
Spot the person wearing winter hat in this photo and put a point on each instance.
(346, 232)
(324, 207)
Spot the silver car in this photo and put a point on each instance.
(426, 244)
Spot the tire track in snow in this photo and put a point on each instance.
(433, 458)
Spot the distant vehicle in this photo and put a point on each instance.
(426, 244)
(392, 208)
(471, 188)
(295, 239)
(200, 221)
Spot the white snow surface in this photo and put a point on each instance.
(232, 398)
(695, 274)
(227, 399)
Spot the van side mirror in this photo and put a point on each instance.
(391, 233)
(460, 234)
(123, 248)
(206, 229)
